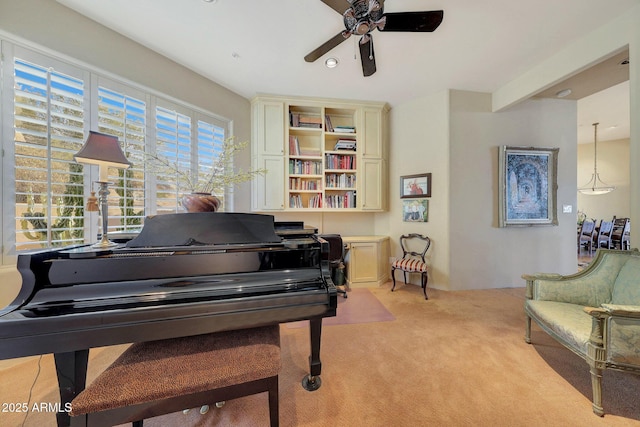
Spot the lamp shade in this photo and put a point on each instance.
(103, 150)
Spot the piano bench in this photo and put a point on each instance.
(161, 377)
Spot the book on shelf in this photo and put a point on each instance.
(305, 121)
(345, 129)
(304, 167)
(327, 120)
(338, 161)
(347, 200)
(345, 144)
(315, 201)
(294, 145)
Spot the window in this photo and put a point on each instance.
(48, 108)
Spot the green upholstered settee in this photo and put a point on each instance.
(595, 313)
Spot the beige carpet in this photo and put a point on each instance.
(361, 306)
(458, 359)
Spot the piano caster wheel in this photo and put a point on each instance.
(204, 409)
(311, 383)
(220, 404)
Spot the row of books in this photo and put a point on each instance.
(342, 180)
(348, 200)
(315, 121)
(303, 184)
(304, 167)
(295, 201)
(340, 129)
(338, 161)
(304, 120)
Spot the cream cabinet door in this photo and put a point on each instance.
(268, 191)
(372, 141)
(372, 188)
(363, 262)
(268, 128)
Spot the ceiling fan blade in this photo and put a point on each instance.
(413, 21)
(325, 47)
(367, 57)
(338, 5)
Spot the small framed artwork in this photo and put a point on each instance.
(528, 186)
(416, 210)
(414, 186)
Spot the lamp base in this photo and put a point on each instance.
(104, 243)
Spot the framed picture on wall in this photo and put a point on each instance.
(418, 185)
(527, 186)
(416, 210)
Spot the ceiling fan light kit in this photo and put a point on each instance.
(361, 17)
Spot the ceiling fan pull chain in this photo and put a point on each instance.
(370, 51)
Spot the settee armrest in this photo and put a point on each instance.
(532, 278)
(622, 310)
(547, 276)
(616, 330)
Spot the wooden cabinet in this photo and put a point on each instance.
(333, 154)
(268, 128)
(367, 260)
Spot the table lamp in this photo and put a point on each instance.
(103, 150)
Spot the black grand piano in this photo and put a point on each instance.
(182, 275)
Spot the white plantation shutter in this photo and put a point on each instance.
(49, 129)
(125, 117)
(209, 147)
(173, 144)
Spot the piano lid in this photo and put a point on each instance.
(205, 228)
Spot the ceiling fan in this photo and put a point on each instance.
(361, 17)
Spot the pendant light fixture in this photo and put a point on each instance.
(595, 186)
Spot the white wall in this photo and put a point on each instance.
(419, 143)
(482, 254)
(613, 168)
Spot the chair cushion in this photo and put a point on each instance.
(567, 323)
(626, 289)
(410, 264)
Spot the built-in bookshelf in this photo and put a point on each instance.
(322, 157)
(323, 153)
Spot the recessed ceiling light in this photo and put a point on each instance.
(563, 93)
(210, 1)
(331, 62)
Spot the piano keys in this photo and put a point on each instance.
(184, 274)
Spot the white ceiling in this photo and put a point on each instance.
(257, 46)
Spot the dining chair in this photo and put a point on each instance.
(585, 238)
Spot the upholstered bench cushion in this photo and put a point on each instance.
(410, 265)
(568, 323)
(183, 366)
